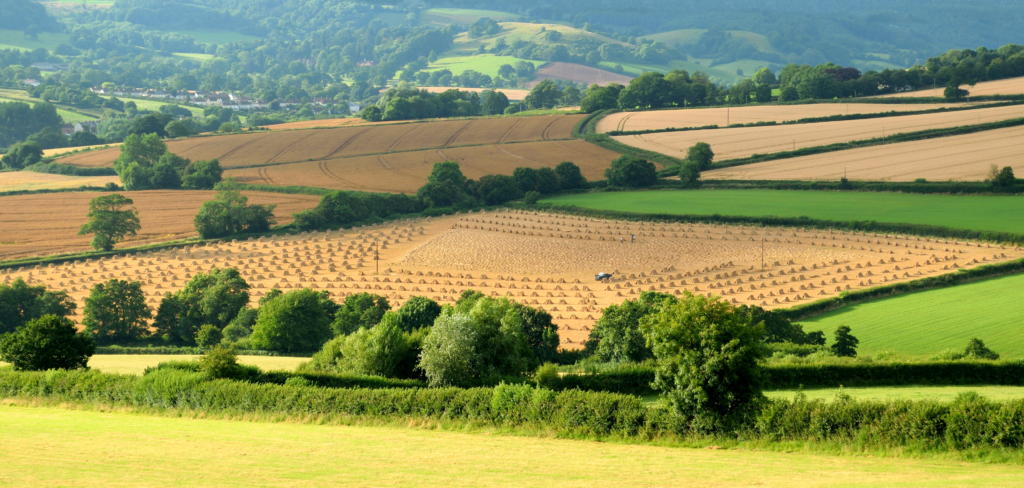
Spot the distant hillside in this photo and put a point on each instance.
(27, 16)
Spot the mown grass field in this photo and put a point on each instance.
(137, 363)
(928, 322)
(487, 64)
(913, 393)
(972, 212)
(57, 447)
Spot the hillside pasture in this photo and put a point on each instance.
(971, 212)
(63, 447)
(723, 116)
(47, 223)
(743, 142)
(578, 73)
(543, 260)
(1008, 86)
(30, 180)
(488, 64)
(967, 157)
(928, 322)
(276, 147)
(406, 172)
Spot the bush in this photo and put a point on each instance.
(546, 376)
(221, 362)
(49, 342)
(628, 172)
(208, 336)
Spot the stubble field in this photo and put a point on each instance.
(966, 157)
(544, 260)
(723, 116)
(1009, 86)
(30, 180)
(45, 224)
(742, 142)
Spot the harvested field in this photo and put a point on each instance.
(966, 157)
(30, 180)
(51, 153)
(405, 172)
(545, 260)
(578, 73)
(746, 141)
(319, 124)
(1009, 86)
(45, 224)
(137, 363)
(277, 147)
(723, 116)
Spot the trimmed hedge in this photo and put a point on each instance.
(51, 167)
(130, 350)
(326, 380)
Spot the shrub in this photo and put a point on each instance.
(546, 376)
(208, 336)
(629, 172)
(845, 344)
(221, 362)
(49, 342)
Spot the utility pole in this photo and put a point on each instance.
(376, 254)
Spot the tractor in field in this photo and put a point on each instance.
(603, 277)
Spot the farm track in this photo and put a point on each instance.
(345, 143)
(504, 137)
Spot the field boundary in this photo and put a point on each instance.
(924, 187)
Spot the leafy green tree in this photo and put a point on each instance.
(845, 344)
(417, 312)
(616, 337)
(297, 321)
(229, 214)
(976, 349)
(497, 189)
(110, 221)
(208, 336)
(201, 175)
(21, 303)
(545, 94)
(601, 98)
(631, 172)
(689, 174)
(492, 102)
(1004, 178)
(116, 312)
(954, 92)
(707, 356)
(360, 310)
(569, 176)
(48, 342)
(375, 351)
(701, 155)
(181, 128)
(222, 362)
(22, 154)
(213, 298)
(447, 187)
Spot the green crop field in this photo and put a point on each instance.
(928, 322)
(973, 212)
(137, 363)
(57, 447)
(937, 393)
(487, 64)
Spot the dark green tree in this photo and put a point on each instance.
(208, 336)
(845, 344)
(1004, 178)
(497, 189)
(297, 321)
(569, 176)
(359, 310)
(213, 298)
(116, 312)
(21, 303)
(110, 220)
(631, 172)
(545, 94)
(976, 349)
(701, 155)
(229, 214)
(616, 337)
(689, 174)
(417, 312)
(48, 342)
(707, 360)
(22, 154)
(201, 175)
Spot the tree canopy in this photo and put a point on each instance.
(110, 220)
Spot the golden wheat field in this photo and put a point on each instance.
(45, 224)
(405, 172)
(723, 116)
(966, 157)
(544, 260)
(276, 147)
(1009, 86)
(746, 141)
(30, 180)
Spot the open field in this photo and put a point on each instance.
(910, 393)
(512, 94)
(543, 260)
(137, 363)
(929, 322)
(973, 212)
(723, 116)
(488, 64)
(578, 73)
(47, 223)
(319, 124)
(67, 114)
(965, 157)
(1009, 86)
(30, 180)
(58, 447)
(59, 151)
(275, 147)
(742, 142)
(406, 172)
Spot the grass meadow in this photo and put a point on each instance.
(487, 64)
(58, 447)
(925, 323)
(971, 212)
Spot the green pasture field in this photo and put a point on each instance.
(15, 39)
(971, 212)
(154, 105)
(137, 363)
(69, 116)
(59, 447)
(465, 16)
(912, 393)
(926, 323)
(487, 64)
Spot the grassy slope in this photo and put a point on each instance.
(56, 447)
(928, 322)
(975, 212)
(487, 64)
(13, 39)
(914, 393)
